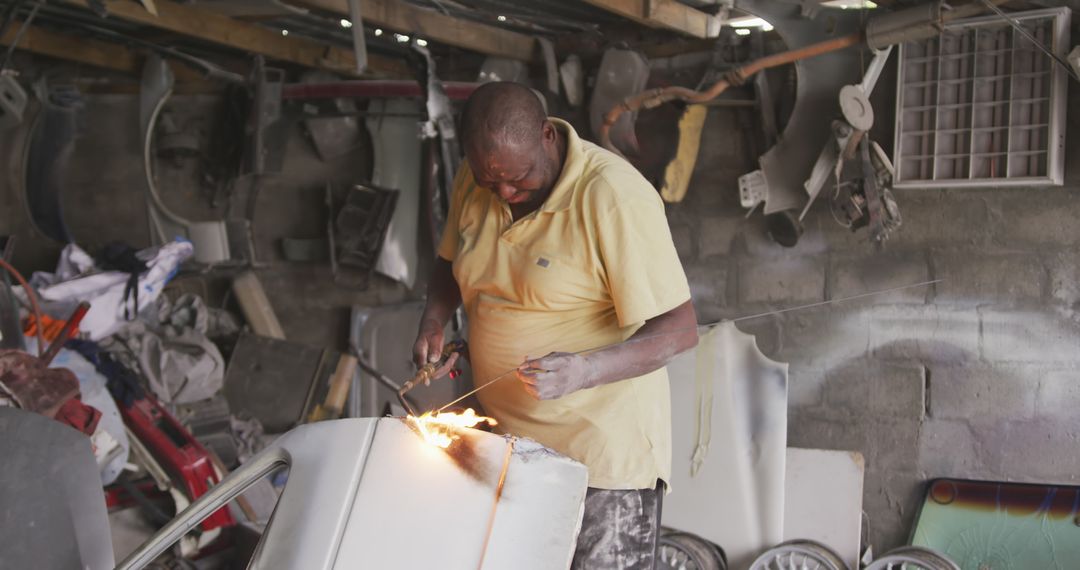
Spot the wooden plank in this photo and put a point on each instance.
(105, 55)
(668, 14)
(79, 50)
(431, 25)
(213, 27)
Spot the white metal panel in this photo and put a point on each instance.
(823, 499)
(736, 499)
(418, 506)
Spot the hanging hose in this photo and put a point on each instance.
(32, 297)
(656, 97)
(906, 25)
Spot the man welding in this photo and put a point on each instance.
(556, 246)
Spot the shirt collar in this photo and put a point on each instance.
(573, 167)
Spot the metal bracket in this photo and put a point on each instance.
(359, 42)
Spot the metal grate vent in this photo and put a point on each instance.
(980, 105)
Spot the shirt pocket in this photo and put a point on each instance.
(556, 282)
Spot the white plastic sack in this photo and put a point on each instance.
(76, 280)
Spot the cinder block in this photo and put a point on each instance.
(824, 336)
(982, 394)
(950, 448)
(1065, 278)
(684, 241)
(1029, 336)
(708, 284)
(971, 279)
(923, 333)
(888, 444)
(867, 387)
(1041, 451)
(806, 388)
(949, 218)
(758, 243)
(1059, 396)
(1038, 218)
(717, 234)
(781, 280)
(891, 501)
(855, 275)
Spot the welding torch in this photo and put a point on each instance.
(428, 372)
(444, 366)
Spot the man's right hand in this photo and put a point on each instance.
(429, 343)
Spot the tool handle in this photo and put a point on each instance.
(65, 333)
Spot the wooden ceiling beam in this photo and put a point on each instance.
(431, 25)
(213, 27)
(79, 50)
(668, 14)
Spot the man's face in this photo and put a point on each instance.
(519, 174)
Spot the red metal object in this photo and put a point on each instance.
(117, 498)
(65, 333)
(185, 460)
(455, 90)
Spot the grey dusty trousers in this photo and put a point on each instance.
(620, 529)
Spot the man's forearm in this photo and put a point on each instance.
(443, 293)
(650, 348)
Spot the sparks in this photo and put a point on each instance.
(439, 429)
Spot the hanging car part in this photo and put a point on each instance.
(210, 238)
(622, 73)
(12, 102)
(358, 232)
(823, 65)
(859, 117)
(440, 123)
(799, 555)
(359, 42)
(914, 558)
(47, 157)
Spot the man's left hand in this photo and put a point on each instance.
(555, 375)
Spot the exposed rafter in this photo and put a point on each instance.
(668, 14)
(105, 55)
(213, 27)
(429, 24)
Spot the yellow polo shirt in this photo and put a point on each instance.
(585, 270)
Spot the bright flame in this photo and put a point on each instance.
(439, 429)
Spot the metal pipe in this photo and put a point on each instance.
(933, 20)
(656, 97)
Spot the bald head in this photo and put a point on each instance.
(502, 114)
(511, 146)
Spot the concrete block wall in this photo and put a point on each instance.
(976, 377)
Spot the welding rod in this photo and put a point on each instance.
(706, 327)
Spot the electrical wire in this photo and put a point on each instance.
(705, 327)
(18, 36)
(32, 297)
(1016, 25)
